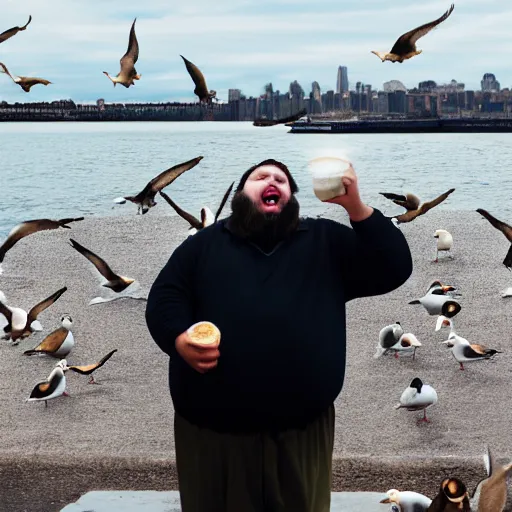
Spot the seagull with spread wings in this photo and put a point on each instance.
(207, 217)
(201, 90)
(25, 82)
(145, 199)
(505, 229)
(7, 34)
(410, 203)
(405, 46)
(128, 74)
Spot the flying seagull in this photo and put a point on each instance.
(13, 31)
(207, 217)
(128, 74)
(25, 82)
(405, 46)
(283, 120)
(115, 282)
(28, 228)
(505, 229)
(145, 199)
(90, 368)
(19, 322)
(201, 90)
(409, 201)
(411, 214)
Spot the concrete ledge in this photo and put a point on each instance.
(155, 501)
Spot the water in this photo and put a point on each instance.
(58, 170)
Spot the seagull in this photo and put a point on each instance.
(408, 501)
(89, 369)
(128, 74)
(115, 282)
(58, 343)
(434, 300)
(201, 90)
(145, 199)
(505, 229)
(444, 242)
(25, 82)
(405, 46)
(411, 214)
(407, 342)
(490, 494)
(20, 324)
(452, 496)
(283, 120)
(409, 201)
(53, 387)
(465, 352)
(6, 34)
(207, 217)
(445, 319)
(417, 397)
(28, 228)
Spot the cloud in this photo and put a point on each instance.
(245, 44)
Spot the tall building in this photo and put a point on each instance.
(234, 94)
(342, 81)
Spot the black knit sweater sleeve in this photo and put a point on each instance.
(374, 255)
(170, 306)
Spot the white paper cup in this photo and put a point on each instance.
(204, 334)
(327, 173)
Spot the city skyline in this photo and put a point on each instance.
(244, 46)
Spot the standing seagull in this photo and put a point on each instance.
(452, 497)
(207, 217)
(201, 90)
(20, 323)
(465, 352)
(417, 397)
(505, 229)
(128, 74)
(53, 387)
(25, 82)
(28, 228)
(58, 343)
(89, 369)
(6, 34)
(490, 494)
(145, 199)
(405, 46)
(411, 214)
(444, 242)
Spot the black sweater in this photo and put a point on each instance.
(281, 317)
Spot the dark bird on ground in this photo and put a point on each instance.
(7, 34)
(283, 120)
(25, 82)
(19, 322)
(505, 229)
(201, 89)
(90, 368)
(405, 46)
(29, 227)
(207, 217)
(128, 74)
(411, 214)
(115, 282)
(145, 199)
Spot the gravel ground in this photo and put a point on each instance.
(100, 434)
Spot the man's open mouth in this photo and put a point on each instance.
(270, 196)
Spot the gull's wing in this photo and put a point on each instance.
(167, 177)
(6, 34)
(406, 42)
(424, 208)
(98, 262)
(498, 224)
(51, 343)
(6, 71)
(193, 221)
(4, 310)
(132, 53)
(223, 202)
(88, 369)
(32, 314)
(198, 78)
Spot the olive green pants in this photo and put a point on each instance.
(284, 472)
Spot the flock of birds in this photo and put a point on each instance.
(440, 300)
(17, 324)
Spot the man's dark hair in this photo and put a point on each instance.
(270, 161)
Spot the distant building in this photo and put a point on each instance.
(342, 80)
(394, 85)
(234, 94)
(489, 83)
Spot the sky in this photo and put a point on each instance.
(244, 44)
